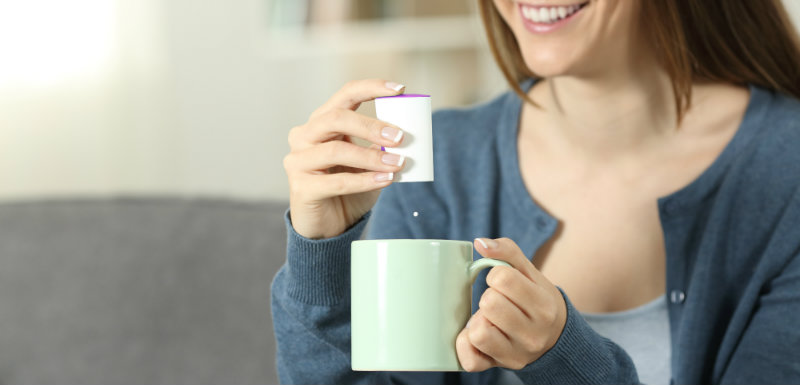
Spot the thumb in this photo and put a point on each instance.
(352, 94)
(506, 250)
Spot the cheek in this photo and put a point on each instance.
(505, 8)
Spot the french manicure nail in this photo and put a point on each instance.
(394, 86)
(487, 243)
(392, 159)
(392, 134)
(384, 176)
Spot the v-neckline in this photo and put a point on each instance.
(687, 197)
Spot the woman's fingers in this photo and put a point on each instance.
(340, 153)
(339, 122)
(514, 286)
(322, 186)
(469, 356)
(307, 169)
(353, 93)
(507, 250)
(487, 338)
(544, 300)
(503, 313)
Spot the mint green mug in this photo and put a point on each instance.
(409, 300)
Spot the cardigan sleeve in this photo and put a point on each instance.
(580, 356)
(769, 349)
(311, 311)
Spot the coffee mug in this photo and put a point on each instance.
(409, 300)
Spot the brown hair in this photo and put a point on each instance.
(732, 41)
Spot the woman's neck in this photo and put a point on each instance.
(606, 118)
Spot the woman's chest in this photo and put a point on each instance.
(607, 254)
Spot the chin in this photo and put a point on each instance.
(544, 64)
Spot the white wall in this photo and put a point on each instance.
(793, 6)
(188, 97)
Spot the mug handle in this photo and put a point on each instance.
(479, 264)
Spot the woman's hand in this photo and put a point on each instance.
(520, 316)
(332, 181)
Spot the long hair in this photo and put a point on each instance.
(733, 41)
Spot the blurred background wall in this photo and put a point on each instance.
(196, 97)
(185, 97)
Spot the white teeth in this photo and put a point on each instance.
(548, 14)
(544, 15)
(533, 14)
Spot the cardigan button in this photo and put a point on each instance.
(541, 223)
(677, 296)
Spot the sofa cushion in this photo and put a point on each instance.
(138, 291)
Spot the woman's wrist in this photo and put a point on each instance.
(319, 269)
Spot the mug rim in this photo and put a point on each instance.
(426, 240)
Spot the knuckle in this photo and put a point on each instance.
(489, 300)
(287, 162)
(549, 317)
(539, 345)
(515, 363)
(469, 364)
(333, 148)
(479, 336)
(500, 277)
(547, 314)
(337, 186)
(316, 112)
(528, 344)
(532, 344)
(292, 137)
(337, 114)
(332, 115)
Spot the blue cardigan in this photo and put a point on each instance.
(732, 240)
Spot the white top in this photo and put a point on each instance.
(643, 333)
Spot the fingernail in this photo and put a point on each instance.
(394, 86)
(467, 327)
(392, 134)
(487, 243)
(392, 159)
(384, 176)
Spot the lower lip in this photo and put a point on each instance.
(541, 28)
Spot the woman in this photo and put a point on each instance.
(643, 180)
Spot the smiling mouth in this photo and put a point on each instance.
(549, 15)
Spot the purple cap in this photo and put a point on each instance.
(405, 96)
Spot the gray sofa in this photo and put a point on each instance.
(138, 291)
